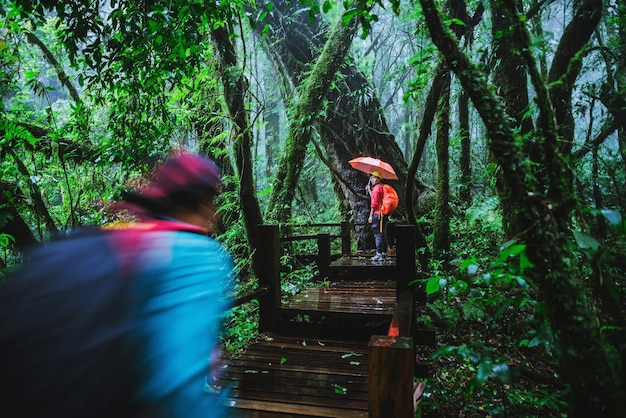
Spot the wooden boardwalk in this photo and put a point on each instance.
(312, 360)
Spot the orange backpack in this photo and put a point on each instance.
(390, 200)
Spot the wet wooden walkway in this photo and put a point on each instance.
(313, 360)
(298, 377)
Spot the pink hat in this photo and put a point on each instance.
(183, 172)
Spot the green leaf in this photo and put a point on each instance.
(524, 263)
(460, 286)
(443, 351)
(534, 342)
(522, 283)
(485, 367)
(502, 372)
(613, 216)
(432, 286)
(487, 278)
(349, 15)
(508, 251)
(340, 390)
(586, 241)
(5, 239)
(283, 360)
(458, 21)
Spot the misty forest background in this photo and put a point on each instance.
(504, 119)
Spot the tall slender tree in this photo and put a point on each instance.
(235, 90)
(441, 221)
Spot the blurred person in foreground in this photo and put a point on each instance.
(121, 322)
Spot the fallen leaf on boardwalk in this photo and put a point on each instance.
(341, 390)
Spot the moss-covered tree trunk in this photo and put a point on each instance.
(235, 88)
(587, 364)
(272, 133)
(308, 105)
(352, 122)
(511, 81)
(11, 221)
(465, 159)
(425, 128)
(441, 223)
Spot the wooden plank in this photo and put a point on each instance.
(238, 376)
(257, 409)
(302, 396)
(264, 363)
(344, 297)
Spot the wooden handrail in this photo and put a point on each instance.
(260, 292)
(306, 237)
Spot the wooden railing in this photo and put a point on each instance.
(267, 264)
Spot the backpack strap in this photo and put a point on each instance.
(154, 225)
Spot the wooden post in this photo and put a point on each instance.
(405, 257)
(405, 313)
(390, 377)
(267, 266)
(345, 239)
(323, 254)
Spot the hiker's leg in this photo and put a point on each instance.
(384, 240)
(378, 236)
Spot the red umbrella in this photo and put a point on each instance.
(369, 165)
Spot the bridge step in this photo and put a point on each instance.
(297, 377)
(344, 309)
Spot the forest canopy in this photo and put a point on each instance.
(505, 121)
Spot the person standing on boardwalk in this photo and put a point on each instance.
(121, 321)
(379, 222)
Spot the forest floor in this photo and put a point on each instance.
(489, 374)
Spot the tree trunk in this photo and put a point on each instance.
(441, 223)
(13, 223)
(566, 66)
(465, 160)
(511, 78)
(235, 88)
(586, 363)
(353, 123)
(308, 106)
(39, 206)
(272, 132)
(430, 110)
